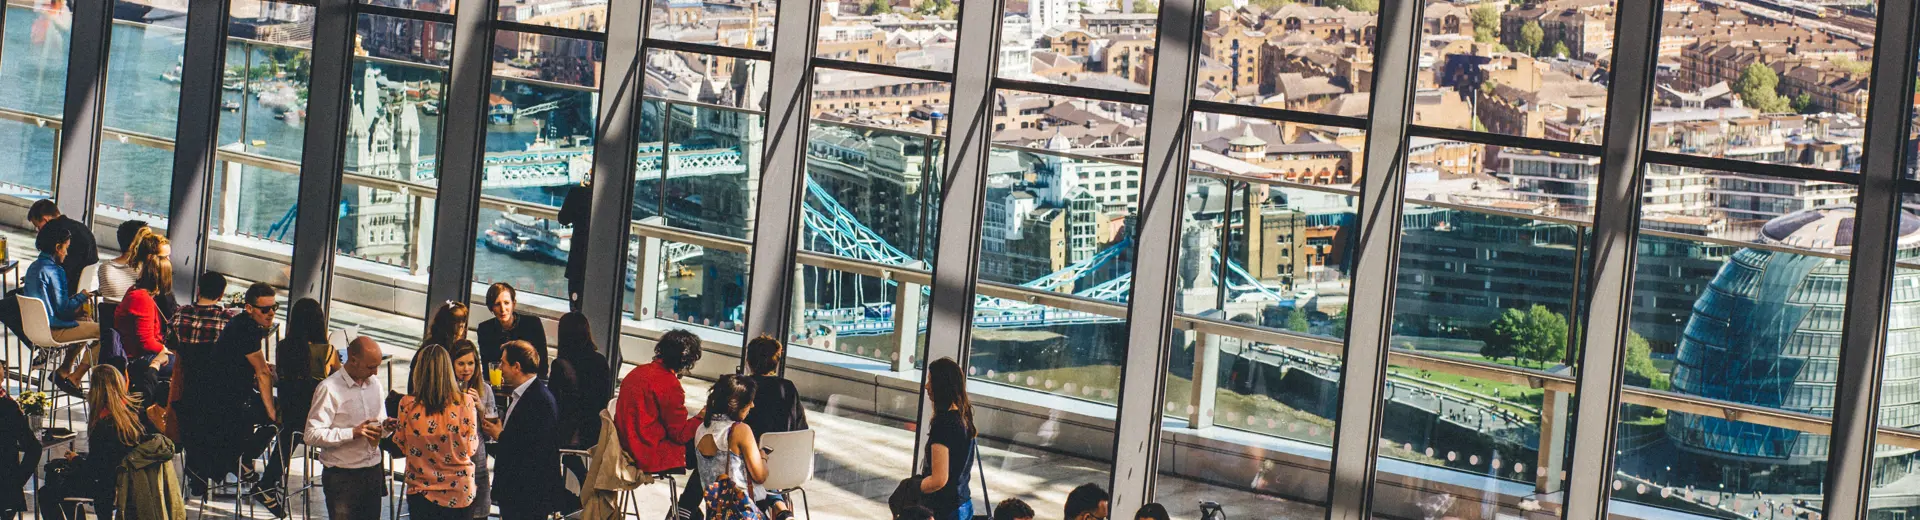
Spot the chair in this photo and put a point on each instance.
(38, 326)
(789, 463)
(89, 278)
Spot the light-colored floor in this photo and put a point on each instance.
(859, 460)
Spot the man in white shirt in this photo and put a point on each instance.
(348, 410)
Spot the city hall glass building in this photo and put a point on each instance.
(1408, 259)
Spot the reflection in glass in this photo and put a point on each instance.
(1106, 47)
(431, 6)
(539, 152)
(264, 92)
(1311, 58)
(920, 37)
(141, 108)
(1791, 90)
(1529, 71)
(33, 65)
(746, 24)
(585, 15)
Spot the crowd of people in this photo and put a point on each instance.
(488, 421)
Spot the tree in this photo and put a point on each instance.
(1537, 334)
(1756, 87)
(1640, 369)
(1486, 24)
(1503, 342)
(1531, 36)
(874, 7)
(1560, 50)
(1146, 6)
(1297, 321)
(1804, 104)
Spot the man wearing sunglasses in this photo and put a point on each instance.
(238, 387)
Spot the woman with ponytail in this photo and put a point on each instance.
(949, 456)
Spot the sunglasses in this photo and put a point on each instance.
(269, 309)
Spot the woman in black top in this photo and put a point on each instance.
(581, 385)
(949, 455)
(776, 401)
(19, 454)
(115, 430)
(508, 325)
(296, 379)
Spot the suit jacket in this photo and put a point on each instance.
(526, 472)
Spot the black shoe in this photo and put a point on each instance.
(66, 386)
(270, 498)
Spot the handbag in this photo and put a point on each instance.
(726, 501)
(905, 495)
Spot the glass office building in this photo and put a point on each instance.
(1404, 259)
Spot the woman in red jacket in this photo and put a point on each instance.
(143, 328)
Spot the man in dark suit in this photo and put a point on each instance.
(527, 483)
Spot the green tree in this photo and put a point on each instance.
(1531, 36)
(1756, 87)
(1803, 104)
(1486, 24)
(1504, 340)
(1640, 369)
(1560, 50)
(874, 7)
(1297, 321)
(1146, 6)
(1537, 334)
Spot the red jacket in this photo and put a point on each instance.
(652, 418)
(137, 318)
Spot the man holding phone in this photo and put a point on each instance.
(347, 422)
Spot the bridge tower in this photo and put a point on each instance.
(385, 141)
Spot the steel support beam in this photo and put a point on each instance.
(1143, 376)
(782, 170)
(1382, 187)
(1856, 410)
(456, 212)
(195, 137)
(1616, 228)
(323, 154)
(613, 170)
(82, 113)
(956, 255)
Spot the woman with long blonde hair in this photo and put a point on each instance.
(115, 430)
(436, 429)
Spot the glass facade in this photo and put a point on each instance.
(1260, 186)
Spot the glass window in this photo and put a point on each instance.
(1792, 90)
(917, 35)
(33, 65)
(541, 113)
(698, 172)
(872, 195)
(746, 24)
(399, 79)
(1494, 240)
(1296, 56)
(1529, 70)
(431, 6)
(1102, 44)
(142, 109)
(1748, 301)
(262, 127)
(585, 15)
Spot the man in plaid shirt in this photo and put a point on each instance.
(199, 324)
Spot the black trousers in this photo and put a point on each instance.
(419, 508)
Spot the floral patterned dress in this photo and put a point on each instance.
(439, 451)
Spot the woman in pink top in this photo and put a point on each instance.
(436, 431)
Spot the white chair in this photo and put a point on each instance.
(38, 327)
(789, 463)
(89, 278)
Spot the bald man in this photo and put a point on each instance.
(348, 409)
